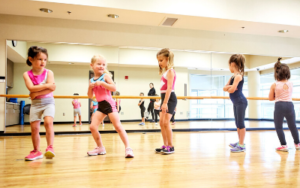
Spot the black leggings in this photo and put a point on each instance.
(156, 113)
(142, 112)
(151, 109)
(285, 110)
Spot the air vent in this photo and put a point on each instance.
(169, 21)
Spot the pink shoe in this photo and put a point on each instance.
(74, 125)
(283, 148)
(34, 155)
(80, 124)
(297, 146)
(97, 151)
(129, 153)
(49, 152)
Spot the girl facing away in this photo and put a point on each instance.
(77, 111)
(102, 86)
(40, 83)
(165, 59)
(235, 87)
(281, 92)
(142, 107)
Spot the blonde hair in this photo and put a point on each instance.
(100, 57)
(117, 93)
(168, 54)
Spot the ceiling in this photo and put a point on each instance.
(228, 16)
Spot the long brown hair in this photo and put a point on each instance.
(168, 54)
(281, 71)
(239, 61)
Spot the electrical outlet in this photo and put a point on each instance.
(63, 114)
(122, 113)
(181, 113)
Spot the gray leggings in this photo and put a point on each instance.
(239, 111)
(285, 110)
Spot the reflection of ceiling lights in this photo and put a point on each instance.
(71, 63)
(46, 10)
(113, 16)
(283, 31)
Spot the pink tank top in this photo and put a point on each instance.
(40, 80)
(164, 81)
(76, 104)
(282, 94)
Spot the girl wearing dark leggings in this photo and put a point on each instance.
(281, 91)
(235, 87)
(156, 109)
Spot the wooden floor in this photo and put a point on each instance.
(202, 159)
(135, 126)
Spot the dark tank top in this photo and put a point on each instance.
(238, 93)
(142, 105)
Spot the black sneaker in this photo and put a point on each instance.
(168, 150)
(159, 150)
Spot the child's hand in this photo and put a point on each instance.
(164, 108)
(33, 95)
(99, 83)
(92, 85)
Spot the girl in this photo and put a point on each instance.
(118, 102)
(156, 109)
(40, 82)
(94, 107)
(77, 111)
(281, 91)
(235, 87)
(168, 98)
(150, 109)
(102, 85)
(142, 107)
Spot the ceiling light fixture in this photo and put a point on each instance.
(46, 10)
(113, 16)
(283, 31)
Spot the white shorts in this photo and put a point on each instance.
(77, 111)
(40, 107)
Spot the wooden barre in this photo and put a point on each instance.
(145, 97)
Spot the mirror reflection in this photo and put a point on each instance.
(135, 72)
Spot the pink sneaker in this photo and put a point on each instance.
(49, 152)
(129, 153)
(74, 125)
(282, 148)
(34, 155)
(97, 151)
(297, 146)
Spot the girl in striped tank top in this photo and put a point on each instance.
(168, 98)
(281, 91)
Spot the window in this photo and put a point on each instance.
(212, 85)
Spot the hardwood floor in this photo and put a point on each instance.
(135, 126)
(202, 159)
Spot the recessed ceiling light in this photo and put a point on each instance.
(46, 10)
(283, 31)
(113, 16)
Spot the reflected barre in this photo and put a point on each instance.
(145, 97)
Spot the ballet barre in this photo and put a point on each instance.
(144, 97)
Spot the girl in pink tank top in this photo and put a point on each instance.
(281, 91)
(102, 85)
(40, 83)
(77, 111)
(168, 98)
